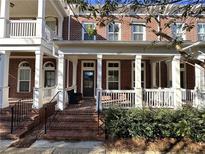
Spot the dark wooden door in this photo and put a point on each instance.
(88, 83)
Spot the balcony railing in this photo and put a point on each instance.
(27, 29)
(22, 28)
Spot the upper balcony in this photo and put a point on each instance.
(22, 18)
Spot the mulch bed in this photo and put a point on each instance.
(161, 145)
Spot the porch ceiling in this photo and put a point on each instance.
(29, 8)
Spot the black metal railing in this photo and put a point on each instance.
(101, 122)
(49, 109)
(19, 112)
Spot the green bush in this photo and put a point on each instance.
(156, 123)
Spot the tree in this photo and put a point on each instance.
(157, 11)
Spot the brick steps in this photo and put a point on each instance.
(73, 135)
(76, 122)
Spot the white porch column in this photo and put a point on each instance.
(40, 27)
(199, 82)
(75, 65)
(61, 81)
(99, 82)
(154, 81)
(4, 17)
(138, 86)
(176, 81)
(60, 27)
(4, 69)
(38, 87)
(200, 75)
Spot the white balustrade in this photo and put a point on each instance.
(22, 28)
(188, 96)
(49, 33)
(118, 98)
(158, 98)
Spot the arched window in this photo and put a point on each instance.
(24, 77)
(49, 74)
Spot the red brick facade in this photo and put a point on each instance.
(13, 76)
(126, 29)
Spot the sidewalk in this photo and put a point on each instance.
(61, 147)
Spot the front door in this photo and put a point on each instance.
(88, 83)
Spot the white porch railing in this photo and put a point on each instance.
(49, 34)
(188, 96)
(49, 92)
(158, 98)
(118, 98)
(22, 28)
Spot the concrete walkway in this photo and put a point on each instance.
(61, 147)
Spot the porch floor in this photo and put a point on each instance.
(76, 122)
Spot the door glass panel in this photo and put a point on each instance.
(88, 83)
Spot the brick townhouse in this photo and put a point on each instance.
(44, 49)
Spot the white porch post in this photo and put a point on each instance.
(61, 81)
(138, 86)
(38, 87)
(154, 81)
(60, 27)
(199, 81)
(199, 75)
(4, 69)
(75, 65)
(99, 82)
(4, 17)
(176, 82)
(40, 27)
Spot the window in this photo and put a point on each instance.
(138, 32)
(49, 74)
(201, 31)
(178, 31)
(143, 75)
(183, 75)
(86, 28)
(113, 75)
(24, 77)
(114, 32)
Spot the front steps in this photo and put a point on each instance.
(76, 122)
(5, 124)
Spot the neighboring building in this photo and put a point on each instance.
(44, 49)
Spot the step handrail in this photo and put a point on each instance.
(46, 114)
(19, 111)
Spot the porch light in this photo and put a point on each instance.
(12, 5)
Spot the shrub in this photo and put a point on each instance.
(156, 123)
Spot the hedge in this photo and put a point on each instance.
(156, 123)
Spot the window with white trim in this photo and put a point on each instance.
(178, 31)
(85, 31)
(24, 77)
(138, 32)
(49, 75)
(114, 31)
(143, 74)
(183, 75)
(201, 31)
(113, 75)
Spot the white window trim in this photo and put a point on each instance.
(185, 77)
(198, 33)
(144, 31)
(83, 30)
(18, 81)
(88, 69)
(183, 31)
(48, 69)
(142, 69)
(119, 33)
(113, 68)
